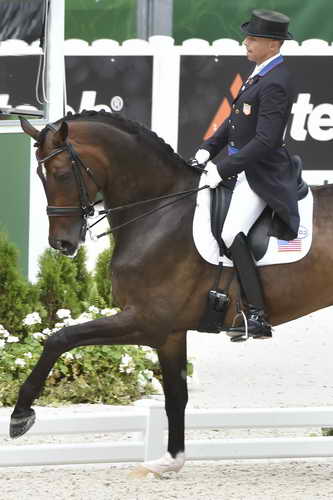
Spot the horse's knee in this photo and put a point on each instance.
(57, 342)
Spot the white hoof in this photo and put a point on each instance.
(165, 464)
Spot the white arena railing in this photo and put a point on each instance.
(148, 424)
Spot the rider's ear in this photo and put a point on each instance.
(61, 135)
(28, 128)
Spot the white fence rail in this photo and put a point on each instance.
(150, 422)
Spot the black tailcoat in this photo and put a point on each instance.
(256, 126)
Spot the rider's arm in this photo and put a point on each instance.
(217, 141)
(272, 118)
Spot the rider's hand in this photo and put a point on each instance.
(202, 156)
(213, 177)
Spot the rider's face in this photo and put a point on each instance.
(259, 48)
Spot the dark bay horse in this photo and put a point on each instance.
(158, 278)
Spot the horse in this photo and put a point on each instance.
(159, 280)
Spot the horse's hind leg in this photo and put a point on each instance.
(123, 328)
(173, 361)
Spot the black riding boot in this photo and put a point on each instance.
(257, 326)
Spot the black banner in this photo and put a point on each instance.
(119, 83)
(18, 79)
(208, 85)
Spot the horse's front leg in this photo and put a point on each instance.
(123, 328)
(173, 360)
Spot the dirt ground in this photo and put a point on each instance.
(294, 369)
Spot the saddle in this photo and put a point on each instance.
(259, 234)
(258, 238)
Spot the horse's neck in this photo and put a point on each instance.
(137, 174)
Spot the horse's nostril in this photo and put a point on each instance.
(64, 247)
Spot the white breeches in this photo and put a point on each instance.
(245, 208)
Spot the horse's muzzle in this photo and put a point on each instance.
(65, 247)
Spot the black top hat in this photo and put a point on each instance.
(268, 24)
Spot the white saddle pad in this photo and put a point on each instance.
(278, 251)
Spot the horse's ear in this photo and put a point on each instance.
(61, 134)
(28, 128)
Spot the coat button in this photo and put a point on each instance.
(232, 126)
(232, 143)
(233, 106)
(237, 111)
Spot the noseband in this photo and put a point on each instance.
(86, 208)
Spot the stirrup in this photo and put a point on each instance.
(243, 336)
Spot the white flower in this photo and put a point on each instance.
(28, 354)
(157, 385)
(109, 312)
(47, 331)
(151, 355)
(148, 374)
(126, 364)
(3, 331)
(68, 355)
(142, 381)
(85, 316)
(2, 343)
(93, 309)
(106, 312)
(63, 313)
(19, 362)
(126, 359)
(32, 319)
(12, 339)
(38, 335)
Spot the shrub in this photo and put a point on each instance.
(84, 279)
(17, 296)
(102, 275)
(63, 283)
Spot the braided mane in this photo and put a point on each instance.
(129, 126)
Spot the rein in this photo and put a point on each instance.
(181, 194)
(87, 208)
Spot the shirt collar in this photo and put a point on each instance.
(258, 68)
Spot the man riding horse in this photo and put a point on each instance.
(257, 158)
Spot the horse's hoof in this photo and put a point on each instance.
(21, 425)
(141, 472)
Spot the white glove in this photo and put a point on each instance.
(213, 177)
(202, 156)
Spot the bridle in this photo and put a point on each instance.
(87, 207)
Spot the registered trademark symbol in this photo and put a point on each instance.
(117, 103)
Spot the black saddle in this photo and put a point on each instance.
(258, 236)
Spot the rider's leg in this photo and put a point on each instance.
(250, 282)
(245, 208)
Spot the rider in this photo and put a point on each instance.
(254, 135)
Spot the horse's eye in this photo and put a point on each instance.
(63, 175)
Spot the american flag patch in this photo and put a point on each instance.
(290, 246)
